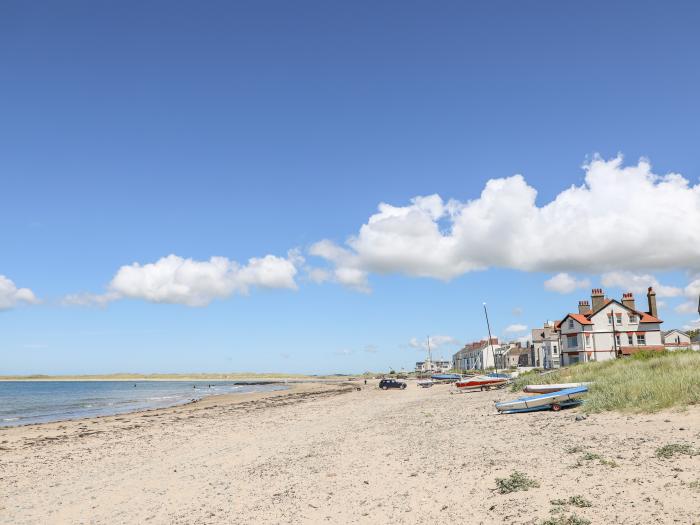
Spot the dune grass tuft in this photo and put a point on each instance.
(672, 449)
(573, 519)
(515, 482)
(645, 382)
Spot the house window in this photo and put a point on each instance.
(618, 318)
(554, 348)
(571, 341)
(641, 339)
(588, 340)
(571, 323)
(617, 340)
(629, 339)
(609, 318)
(633, 318)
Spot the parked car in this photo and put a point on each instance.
(385, 384)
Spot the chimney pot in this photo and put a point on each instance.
(597, 299)
(651, 300)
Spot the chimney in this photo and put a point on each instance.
(628, 300)
(583, 307)
(597, 298)
(651, 298)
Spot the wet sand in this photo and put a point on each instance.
(323, 453)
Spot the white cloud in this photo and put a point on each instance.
(371, 349)
(11, 296)
(436, 342)
(692, 325)
(638, 283)
(693, 288)
(89, 299)
(173, 279)
(564, 283)
(620, 218)
(517, 311)
(688, 307)
(692, 293)
(347, 270)
(344, 352)
(515, 328)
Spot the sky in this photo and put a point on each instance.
(318, 187)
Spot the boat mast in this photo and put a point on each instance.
(430, 356)
(488, 326)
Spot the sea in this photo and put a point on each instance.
(24, 402)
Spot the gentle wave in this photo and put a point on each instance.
(25, 402)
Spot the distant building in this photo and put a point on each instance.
(433, 366)
(545, 346)
(478, 355)
(512, 355)
(676, 340)
(608, 328)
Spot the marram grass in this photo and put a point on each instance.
(646, 382)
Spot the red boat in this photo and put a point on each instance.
(481, 382)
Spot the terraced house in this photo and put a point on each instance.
(606, 328)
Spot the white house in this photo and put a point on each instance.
(478, 355)
(545, 345)
(608, 328)
(676, 340)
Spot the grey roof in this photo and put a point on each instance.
(666, 332)
(540, 334)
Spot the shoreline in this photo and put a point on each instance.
(319, 453)
(190, 376)
(230, 398)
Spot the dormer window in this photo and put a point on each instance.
(571, 323)
(633, 318)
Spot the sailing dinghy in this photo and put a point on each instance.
(547, 389)
(482, 382)
(552, 400)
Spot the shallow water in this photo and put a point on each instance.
(23, 402)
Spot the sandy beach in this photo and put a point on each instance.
(322, 453)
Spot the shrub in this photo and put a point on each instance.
(515, 482)
(566, 520)
(670, 450)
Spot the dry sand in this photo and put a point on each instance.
(328, 453)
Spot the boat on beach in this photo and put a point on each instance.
(482, 382)
(553, 400)
(546, 389)
(427, 383)
(446, 377)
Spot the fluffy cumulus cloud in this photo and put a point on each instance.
(11, 296)
(174, 279)
(692, 293)
(564, 283)
(515, 328)
(620, 218)
(639, 283)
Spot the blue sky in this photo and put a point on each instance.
(133, 131)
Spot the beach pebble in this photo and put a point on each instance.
(580, 417)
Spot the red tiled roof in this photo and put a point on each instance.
(576, 317)
(648, 318)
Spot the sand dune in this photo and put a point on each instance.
(328, 453)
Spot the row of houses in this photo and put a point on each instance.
(601, 329)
